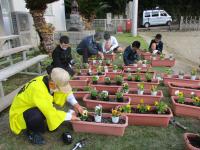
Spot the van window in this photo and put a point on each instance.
(147, 14)
(163, 13)
(155, 14)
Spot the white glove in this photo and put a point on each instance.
(71, 99)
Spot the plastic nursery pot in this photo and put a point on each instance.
(115, 119)
(97, 118)
(154, 93)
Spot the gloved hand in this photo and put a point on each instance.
(72, 62)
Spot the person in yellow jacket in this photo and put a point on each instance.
(32, 108)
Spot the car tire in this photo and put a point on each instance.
(147, 24)
(168, 23)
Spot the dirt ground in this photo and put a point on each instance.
(184, 46)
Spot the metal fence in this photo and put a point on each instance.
(190, 23)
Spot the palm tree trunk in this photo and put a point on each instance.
(44, 31)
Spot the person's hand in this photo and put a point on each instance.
(74, 117)
(78, 109)
(101, 55)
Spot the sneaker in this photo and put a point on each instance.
(35, 138)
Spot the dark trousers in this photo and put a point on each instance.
(85, 54)
(35, 120)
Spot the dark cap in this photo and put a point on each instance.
(106, 35)
(97, 36)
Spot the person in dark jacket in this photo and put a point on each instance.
(156, 44)
(90, 46)
(62, 56)
(130, 53)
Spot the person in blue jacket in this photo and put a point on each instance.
(130, 55)
(90, 46)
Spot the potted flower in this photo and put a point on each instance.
(93, 94)
(118, 79)
(129, 77)
(140, 89)
(95, 79)
(105, 69)
(144, 63)
(115, 67)
(135, 65)
(148, 77)
(193, 73)
(107, 80)
(181, 98)
(125, 88)
(119, 96)
(115, 115)
(154, 56)
(78, 71)
(128, 70)
(99, 70)
(137, 77)
(154, 90)
(107, 62)
(169, 72)
(162, 56)
(161, 107)
(85, 65)
(143, 108)
(104, 96)
(100, 61)
(181, 74)
(89, 72)
(171, 57)
(84, 115)
(98, 113)
(192, 141)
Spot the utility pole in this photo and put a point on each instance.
(134, 17)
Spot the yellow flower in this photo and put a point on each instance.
(128, 106)
(156, 103)
(141, 101)
(138, 106)
(85, 113)
(148, 107)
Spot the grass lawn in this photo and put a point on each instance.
(135, 137)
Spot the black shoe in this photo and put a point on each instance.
(35, 138)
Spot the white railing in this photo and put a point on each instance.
(190, 23)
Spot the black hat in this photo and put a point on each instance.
(67, 138)
(97, 36)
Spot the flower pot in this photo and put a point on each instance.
(154, 93)
(115, 119)
(113, 74)
(192, 141)
(186, 88)
(147, 85)
(176, 79)
(138, 119)
(146, 55)
(97, 118)
(83, 77)
(193, 77)
(80, 94)
(163, 63)
(78, 82)
(101, 128)
(106, 105)
(144, 65)
(184, 109)
(180, 76)
(147, 97)
(140, 92)
(110, 56)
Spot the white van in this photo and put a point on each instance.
(156, 17)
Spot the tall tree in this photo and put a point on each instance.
(45, 31)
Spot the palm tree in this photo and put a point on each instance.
(45, 31)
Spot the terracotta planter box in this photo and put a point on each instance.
(80, 94)
(134, 68)
(163, 63)
(79, 82)
(147, 97)
(112, 89)
(142, 75)
(113, 74)
(185, 88)
(101, 128)
(189, 141)
(174, 78)
(105, 105)
(147, 85)
(146, 55)
(161, 120)
(83, 77)
(110, 56)
(184, 109)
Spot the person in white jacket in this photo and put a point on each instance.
(110, 44)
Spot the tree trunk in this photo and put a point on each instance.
(44, 30)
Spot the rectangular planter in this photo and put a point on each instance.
(142, 75)
(163, 63)
(113, 74)
(148, 98)
(185, 110)
(80, 94)
(161, 120)
(105, 105)
(110, 56)
(83, 77)
(174, 78)
(101, 128)
(134, 68)
(181, 87)
(146, 55)
(79, 82)
(112, 89)
(147, 85)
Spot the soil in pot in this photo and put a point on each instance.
(93, 97)
(149, 80)
(104, 120)
(94, 82)
(120, 99)
(153, 111)
(187, 103)
(195, 141)
(111, 100)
